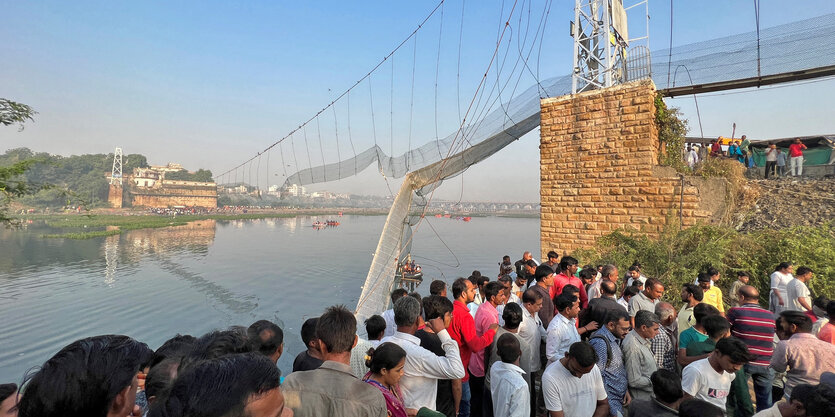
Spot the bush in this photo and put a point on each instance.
(677, 256)
(671, 131)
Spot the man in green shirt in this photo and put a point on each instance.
(744, 147)
(696, 333)
(739, 400)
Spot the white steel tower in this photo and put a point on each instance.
(116, 174)
(602, 44)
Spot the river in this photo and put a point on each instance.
(152, 284)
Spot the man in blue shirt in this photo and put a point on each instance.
(606, 343)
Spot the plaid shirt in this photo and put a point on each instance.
(664, 349)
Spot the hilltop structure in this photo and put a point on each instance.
(148, 187)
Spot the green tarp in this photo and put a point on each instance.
(814, 156)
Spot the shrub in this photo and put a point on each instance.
(677, 256)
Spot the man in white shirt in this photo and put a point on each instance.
(798, 296)
(423, 369)
(562, 331)
(532, 334)
(520, 284)
(692, 157)
(509, 390)
(388, 315)
(781, 276)
(709, 379)
(573, 386)
(608, 273)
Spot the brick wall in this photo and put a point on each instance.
(176, 193)
(114, 196)
(598, 154)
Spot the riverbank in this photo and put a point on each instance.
(108, 222)
(112, 222)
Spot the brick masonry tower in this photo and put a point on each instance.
(599, 169)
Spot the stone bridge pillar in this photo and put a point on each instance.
(598, 161)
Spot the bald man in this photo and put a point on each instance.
(754, 325)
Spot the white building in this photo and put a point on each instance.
(295, 190)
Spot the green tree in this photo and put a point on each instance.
(12, 112)
(12, 182)
(13, 185)
(201, 175)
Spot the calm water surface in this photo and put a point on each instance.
(152, 284)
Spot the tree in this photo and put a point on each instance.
(12, 183)
(201, 175)
(12, 112)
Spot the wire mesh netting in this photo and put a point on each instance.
(786, 48)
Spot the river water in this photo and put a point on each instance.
(151, 284)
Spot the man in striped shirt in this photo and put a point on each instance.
(755, 326)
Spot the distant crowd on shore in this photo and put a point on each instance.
(549, 339)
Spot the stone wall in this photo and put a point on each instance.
(114, 196)
(177, 193)
(598, 162)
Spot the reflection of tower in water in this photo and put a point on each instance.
(111, 258)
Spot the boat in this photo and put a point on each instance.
(409, 274)
(329, 223)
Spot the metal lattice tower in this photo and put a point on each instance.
(116, 174)
(601, 44)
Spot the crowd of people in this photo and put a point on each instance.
(549, 339)
(777, 162)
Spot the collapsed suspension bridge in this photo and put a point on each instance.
(496, 113)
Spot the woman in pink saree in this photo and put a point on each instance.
(386, 363)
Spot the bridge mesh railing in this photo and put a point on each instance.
(786, 48)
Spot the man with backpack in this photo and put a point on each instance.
(605, 342)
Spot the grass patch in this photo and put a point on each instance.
(84, 235)
(133, 222)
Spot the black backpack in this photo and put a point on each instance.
(608, 347)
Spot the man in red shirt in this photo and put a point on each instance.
(462, 329)
(715, 148)
(568, 267)
(796, 157)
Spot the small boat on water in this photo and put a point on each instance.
(409, 274)
(329, 223)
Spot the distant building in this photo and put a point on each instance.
(294, 190)
(147, 187)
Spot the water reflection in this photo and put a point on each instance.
(111, 258)
(154, 283)
(194, 237)
(165, 246)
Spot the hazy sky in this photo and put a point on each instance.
(209, 84)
